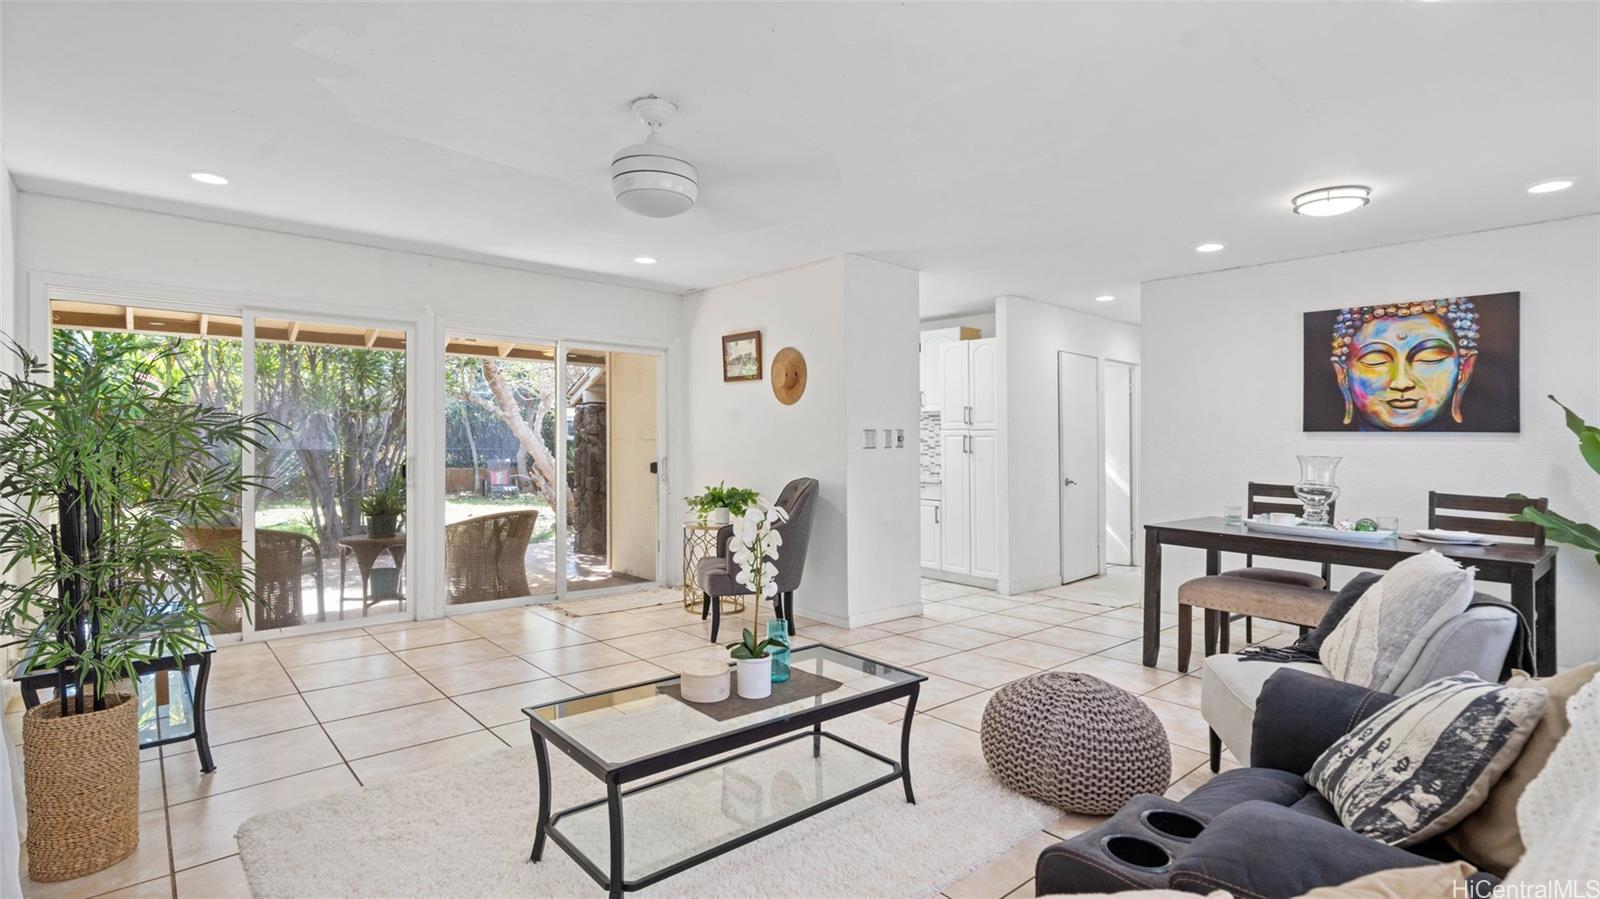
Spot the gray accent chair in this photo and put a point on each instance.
(1477, 640)
(715, 576)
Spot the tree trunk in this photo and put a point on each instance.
(506, 409)
(472, 446)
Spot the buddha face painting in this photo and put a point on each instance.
(1401, 366)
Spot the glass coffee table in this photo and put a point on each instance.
(736, 770)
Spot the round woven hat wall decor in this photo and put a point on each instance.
(1075, 742)
(788, 375)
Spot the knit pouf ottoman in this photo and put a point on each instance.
(1075, 742)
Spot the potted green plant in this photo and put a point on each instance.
(1559, 527)
(384, 508)
(106, 465)
(721, 504)
(755, 547)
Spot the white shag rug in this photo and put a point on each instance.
(618, 602)
(466, 830)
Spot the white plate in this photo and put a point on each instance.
(1456, 538)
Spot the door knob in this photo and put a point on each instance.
(1069, 482)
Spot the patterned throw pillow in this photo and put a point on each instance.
(1381, 637)
(1426, 761)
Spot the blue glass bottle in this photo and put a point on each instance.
(778, 632)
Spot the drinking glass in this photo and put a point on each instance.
(1316, 488)
(1233, 514)
(1388, 523)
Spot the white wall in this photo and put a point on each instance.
(63, 241)
(1222, 391)
(862, 559)
(1031, 334)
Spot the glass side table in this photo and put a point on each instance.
(700, 542)
(171, 692)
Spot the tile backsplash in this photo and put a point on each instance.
(928, 447)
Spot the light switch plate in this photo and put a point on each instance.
(899, 438)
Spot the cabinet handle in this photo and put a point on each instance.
(967, 415)
(935, 514)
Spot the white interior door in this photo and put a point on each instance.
(1080, 472)
(1118, 487)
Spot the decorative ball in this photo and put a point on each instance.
(1075, 742)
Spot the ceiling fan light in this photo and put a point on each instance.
(1326, 201)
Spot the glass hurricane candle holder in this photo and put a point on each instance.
(1316, 488)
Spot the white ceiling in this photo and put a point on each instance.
(1056, 152)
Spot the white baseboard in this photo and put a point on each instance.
(1031, 586)
(982, 583)
(904, 610)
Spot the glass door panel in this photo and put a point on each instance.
(330, 540)
(502, 476)
(611, 434)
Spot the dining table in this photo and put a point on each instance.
(1529, 570)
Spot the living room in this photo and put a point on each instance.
(480, 449)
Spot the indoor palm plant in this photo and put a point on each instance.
(755, 549)
(1559, 527)
(104, 467)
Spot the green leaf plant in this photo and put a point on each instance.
(1559, 527)
(735, 499)
(391, 500)
(103, 468)
(751, 648)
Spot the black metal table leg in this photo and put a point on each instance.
(905, 742)
(816, 740)
(542, 758)
(202, 740)
(614, 807)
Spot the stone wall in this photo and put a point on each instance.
(588, 478)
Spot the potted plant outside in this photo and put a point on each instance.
(721, 504)
(113, 451)
(384, 508)
(755, 548)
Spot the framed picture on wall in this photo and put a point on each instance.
(1446, 364)
(741, 356)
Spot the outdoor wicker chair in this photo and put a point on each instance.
(280, 565)
(484, 557)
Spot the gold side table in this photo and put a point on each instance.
(700, 542)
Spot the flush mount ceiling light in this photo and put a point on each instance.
(1326, 201)
(208, 178)
(1104, 299)
(645, 260)
(1550, 187)
(1208, 248)
(653, 179)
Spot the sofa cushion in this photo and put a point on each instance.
(1384, 633)
(1421, 764)
(1489, 837)
(1298, 715)
(1240, 785)
(1446, 881)
(1228, 690)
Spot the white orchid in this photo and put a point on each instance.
(754, 549)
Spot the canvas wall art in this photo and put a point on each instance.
(1447, 364)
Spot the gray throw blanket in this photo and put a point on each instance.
(1308, 648)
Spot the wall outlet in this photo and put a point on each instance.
(869, 438)
(899, 438)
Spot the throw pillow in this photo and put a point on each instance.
(1489, 837)
(1381, 637)
(1447, 881)
(1419, 765)
(1307, 647)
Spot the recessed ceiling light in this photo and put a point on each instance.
(1208, 248)
(1104, 299)
(1550, 187)
(208, 178)
(1326, 201)
(645, 260)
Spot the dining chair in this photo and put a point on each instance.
(1442, 506)
(717, 575)
(1263, 499)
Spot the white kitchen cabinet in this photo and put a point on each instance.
(932, 386)
(932, 556)
(970, 511)
(955, 527)
(969, 385)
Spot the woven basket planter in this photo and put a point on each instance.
(82, 778)
(1075, 742)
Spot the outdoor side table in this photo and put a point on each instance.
(366, 550)
(700, 542)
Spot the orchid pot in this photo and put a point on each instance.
(755, 678)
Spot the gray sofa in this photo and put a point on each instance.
(1477, 640)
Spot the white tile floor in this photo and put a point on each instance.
(299, 717)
